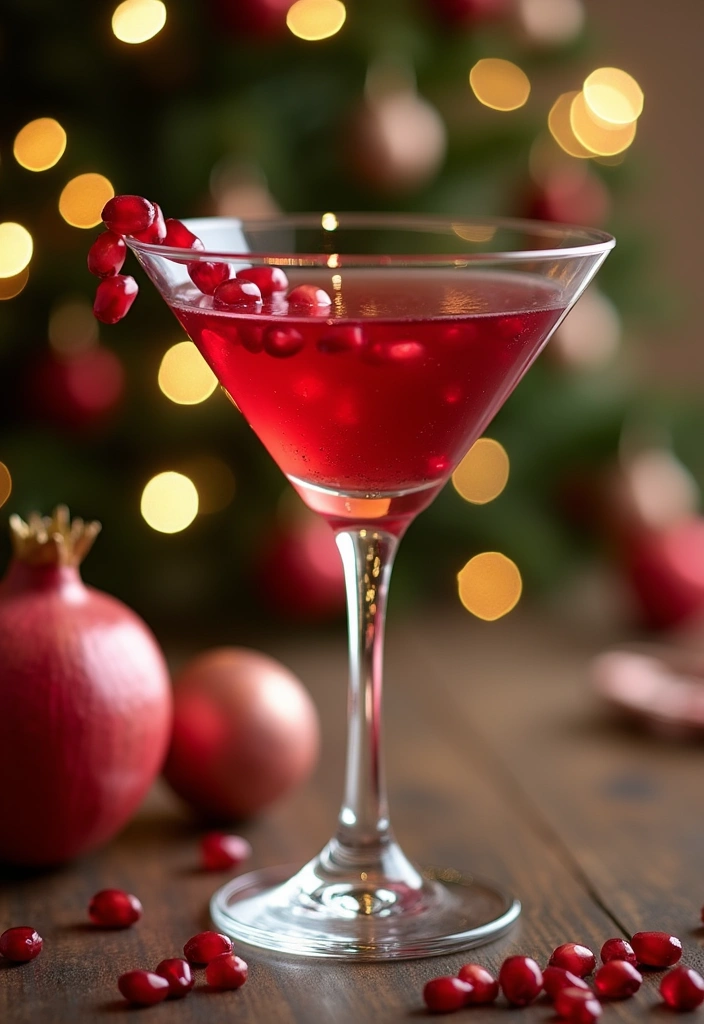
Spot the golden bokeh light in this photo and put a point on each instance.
(83, 198)
(5, 483)
(329, 222)
(600, 140)
(184, 376)
(561, 129)
(40, 144)
(474, 232)
(214, 481)
(489, 585)
(16, 248)
(169, 502)
(11, 286)
(136, 21)
(483, 473)
(613, 96)
(499, 84)
(72, 327)
(313, 20)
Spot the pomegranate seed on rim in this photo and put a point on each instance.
(180, 237)
(219, 851)
(107, 254)
(114, 297)
(578, 1005)
(618, 949)
(282, 341)
(207, 276)
(341, 339)
(179, 975)
(156, 232)
(113, 908)
(268, 280)
(226, 971)
(126, 215)
(573, 957)
(485, 987)
(520, 979)
(308, 296)
(682, 989)
(205, 946)
(236, 293)
(656, 949)
(557, 978)
(143, 987)
(446, 994)
(20, 944)
(617, 979)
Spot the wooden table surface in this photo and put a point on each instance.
(499, 761)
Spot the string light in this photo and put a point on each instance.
(313, 20)
(489, 585)
(72, 327)
(599, 140)
(499, 84)
(12, 286)
(16, 248)
(329, 221)
(136, 21)
(83, 198)
(613, 96)
(169, 502)
(561, 129)
(40, 144)
(184, 376)
(483, 473)
(5, 483)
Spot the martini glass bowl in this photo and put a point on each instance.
(368, 396)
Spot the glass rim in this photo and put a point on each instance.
(587, 241)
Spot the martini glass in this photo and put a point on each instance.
(367, 404)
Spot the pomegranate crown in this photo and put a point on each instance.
(52, 540)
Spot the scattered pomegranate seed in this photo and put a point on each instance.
(205, 946)
(268, 280)
(114, 297)
(126, 215)
(143, 987)
(226, 971)
(682, 989)
(578, 1005)
(656, 949)
(557, 978)
(446, 994)
(237, 293)
(618, 949)
(485, 987)
(341, 339)
(574, 958)
(282, 341)
(308, 296)
(617, 979)
(156, 232)
(179, 237)
(107, 254)
(207, 276)
(179, 975)
(521, 980)
(219, 851)
(20, 944)
(113, 908)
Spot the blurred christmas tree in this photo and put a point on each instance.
(246, 107)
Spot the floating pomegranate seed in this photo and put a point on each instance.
(557, 978)
(268, 280)
(461, 334)
(205, 946)
(113, 908)
(126, 215)
(438, 464)
(617, 979)
(574, 958)
(578, 1005)
(179, 975)
(156, 232)
(143, 987)
(485, 987)
(341, 339)
(252, 337)
(226, 971)
(114, 297)
(446, 994)
(394, 351)
(107, 254)
(20, 944)
(656, 949)
(618, 949)
(521, 980)
(237, 293)
(179, 237)
(207, 276)
(282, 341)
(308, 296)
(682, 989)
(219, 851)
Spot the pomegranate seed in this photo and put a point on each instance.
(179, 237)
(114, 297)
(394, 351)
(219, 851)
(113, 908)
(237, 293)
(446, 994)
(618, 949)
(179, 975)
(341, 339)
(438, 464)
(617, 979)
(207, 276)
(308, 296)
(268, 280)
(143, 987)
(126, 215)
(156, 232)
(574, 958)
(20, 944)
(485, 987)
(578, 1005)
(282, 341)
(682, 989)
(520, 979)
(656, 949)
(107, 254)
(226, 971)
(205, 946)
(252, 337)
(557, 978)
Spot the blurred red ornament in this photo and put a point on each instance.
(571, 195)
(300, 571)
(666, 571)
(78, 391)
(264, 18)
(465, 13)
(646, 492)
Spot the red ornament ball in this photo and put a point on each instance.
(78, 392)
(666, 572)
(300, 571)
